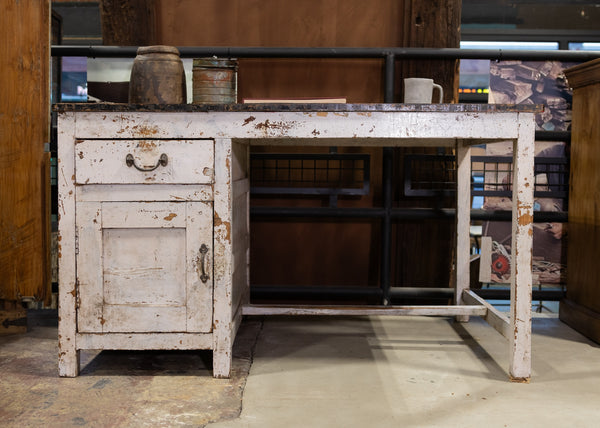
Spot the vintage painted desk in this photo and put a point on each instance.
(154, 229)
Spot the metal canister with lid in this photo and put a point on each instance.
(214, 81)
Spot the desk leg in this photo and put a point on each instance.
(222, 269)
(68, 354)
(463, 221)
(522, 231)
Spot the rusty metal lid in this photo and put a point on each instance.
(214, 62)
(162, 49)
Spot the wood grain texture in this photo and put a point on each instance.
(432, 24)
(128, 22)
(583, 273)
(24, 128)
(328, 23)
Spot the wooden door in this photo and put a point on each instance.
(24, 129)
(144, 267)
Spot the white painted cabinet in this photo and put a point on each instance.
(144, 267)
(152, 255)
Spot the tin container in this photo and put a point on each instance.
(214, 81)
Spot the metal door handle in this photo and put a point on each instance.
(162, 161)
(203, 252)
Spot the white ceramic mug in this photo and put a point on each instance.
(420, 91)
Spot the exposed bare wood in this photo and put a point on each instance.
(432, 24)
(128, 22)
(581, 308)
(24, 129)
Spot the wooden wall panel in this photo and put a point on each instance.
(301, 252)
(24, 128)
(423, 250)
(277, 23)
(128, 22)
(581, 308)
(432, 24)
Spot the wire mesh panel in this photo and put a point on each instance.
(429, 175)
(432, 175)
(551, 176)
(310, 174)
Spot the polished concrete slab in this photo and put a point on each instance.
(313, 372)
(416, 372)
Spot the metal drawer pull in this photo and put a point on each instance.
(203, 251)
(163, 160)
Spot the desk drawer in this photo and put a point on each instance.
(144, 162)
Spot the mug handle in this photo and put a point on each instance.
(441, 99)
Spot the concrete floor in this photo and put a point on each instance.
(314, 372)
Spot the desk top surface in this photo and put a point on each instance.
(298, 107)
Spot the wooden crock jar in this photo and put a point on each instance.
(157, 76)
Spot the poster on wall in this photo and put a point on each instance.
(525, 82)
(534, 82)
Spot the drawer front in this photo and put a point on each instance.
(144, 162)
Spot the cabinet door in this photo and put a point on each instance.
(144, 267)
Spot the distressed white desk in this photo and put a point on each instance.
(153, 206)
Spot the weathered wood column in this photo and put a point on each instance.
(128, 22)
(24, 165)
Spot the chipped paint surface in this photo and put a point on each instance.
(275, 127)
(248, 120)
(525, 214)
(105, 135)
(521, 246)
(145, 131)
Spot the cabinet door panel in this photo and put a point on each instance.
(141, 266)
(145, 267)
